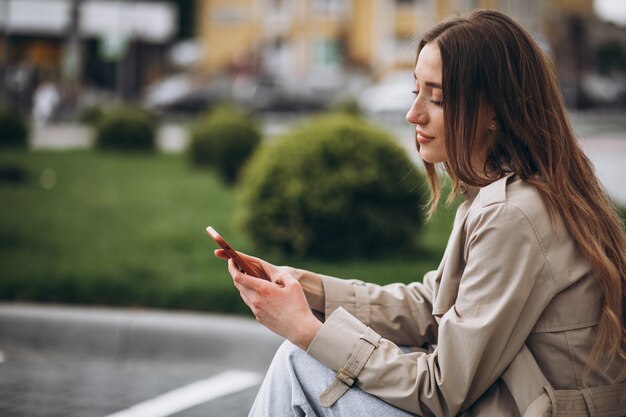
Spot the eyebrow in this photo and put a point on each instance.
(430, 83)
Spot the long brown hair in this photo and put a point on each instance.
(488, 58)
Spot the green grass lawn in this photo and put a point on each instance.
(111, 229)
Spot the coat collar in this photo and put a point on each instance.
(490, 194)
(495, 192)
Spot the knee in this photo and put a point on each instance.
(290, 358)
(286, 352)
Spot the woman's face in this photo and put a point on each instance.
(426, 113)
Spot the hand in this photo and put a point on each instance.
(279, 305)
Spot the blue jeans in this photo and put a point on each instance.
(294, 382)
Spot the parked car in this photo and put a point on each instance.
(272, 94)
(182, 93)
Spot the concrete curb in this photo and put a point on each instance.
(132, 334)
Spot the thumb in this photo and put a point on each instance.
(221, 253)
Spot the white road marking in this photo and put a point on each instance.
(193, 394)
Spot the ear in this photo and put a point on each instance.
(488, 114)
(493, 124)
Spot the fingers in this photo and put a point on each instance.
(244, 281)
(220, 253)
(251, 289)
(257, 264)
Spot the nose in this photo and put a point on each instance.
(417, 114)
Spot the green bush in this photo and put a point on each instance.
(126, 129)
(336, 187)
(349, 107)
(91, 115)
(113, 231)
(224, 140)
(13, 129)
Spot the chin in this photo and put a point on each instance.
(432, 158)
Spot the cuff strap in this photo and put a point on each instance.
(347, 375)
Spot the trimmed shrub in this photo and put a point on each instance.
(224, 140)
(126, 129)
(348, 107)
(91, 115)
(336, 187)
(13, 129)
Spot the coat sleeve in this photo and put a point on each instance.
(399, 312)
(477, 337)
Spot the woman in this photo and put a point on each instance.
(526, 311)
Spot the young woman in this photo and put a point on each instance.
(525, 314)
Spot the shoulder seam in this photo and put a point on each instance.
(539, 240)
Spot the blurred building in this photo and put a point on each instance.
(323, 38)
(304, 37)
(122, 47)
(300, 37)
(114, 46)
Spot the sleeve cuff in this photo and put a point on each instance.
(337, 339)
(313, 287)
(351, 295)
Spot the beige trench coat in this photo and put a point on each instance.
(510, 282)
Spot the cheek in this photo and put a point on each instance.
(438, 122)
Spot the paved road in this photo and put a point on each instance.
(89, 362)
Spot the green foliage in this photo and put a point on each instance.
(126, 129)
(348, 107)
(91, 115)
(13, 129)
(114, 229)
(335, 187)
(224, 140)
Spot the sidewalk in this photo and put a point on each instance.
(77, 361)
(170, 137)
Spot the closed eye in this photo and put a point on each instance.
(435, 102)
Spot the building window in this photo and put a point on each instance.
(331, 7)
(326, 54)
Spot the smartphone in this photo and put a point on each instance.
(242, 265)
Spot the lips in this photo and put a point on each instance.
(424, 138)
